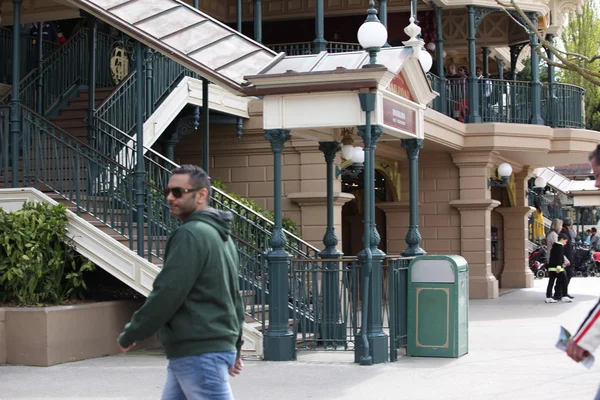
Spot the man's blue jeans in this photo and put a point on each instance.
(200, 377)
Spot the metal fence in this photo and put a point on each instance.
(326, 303)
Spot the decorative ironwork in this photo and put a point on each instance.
(481, 13)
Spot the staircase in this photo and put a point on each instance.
(100, 192)
(73, 117)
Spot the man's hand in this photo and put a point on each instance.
(124, 349)
(576, 352)
(238, 366)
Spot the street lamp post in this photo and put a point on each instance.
(371, 341)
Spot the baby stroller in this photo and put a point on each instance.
(537, 262)
(583, 262)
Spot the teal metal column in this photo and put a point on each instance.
(205, 127)
(15, 101)
(500, 64)
(93, 49)
(196, 4)
(319, 44)
(140, 174)
(371, 344)
(486, 65)
(170, 149)
(149, 65)
(383, 16)
(439, 60)
(473, 93)
(377, 337)
(279, 343)
(551, 88)
(333, 331)
(413, 237)
(258, 21)
(536, 85)
(40, 80)
(238, 16)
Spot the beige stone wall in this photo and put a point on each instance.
(439, 223)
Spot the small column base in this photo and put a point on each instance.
(279, 347)
(378, 348)
(517, 279)
(483, 287)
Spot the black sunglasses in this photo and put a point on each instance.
(178, 192)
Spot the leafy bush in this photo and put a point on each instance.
(38, 262)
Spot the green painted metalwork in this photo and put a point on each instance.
(64, 70)
(114, 109)
(473, 93)
(397, 275)
(140, 174)
(15, 98)
(309, 292)
(319, 44)
(485, 53)
(413, 237)
(258, 20)
(383, 16)
(536, 85)
(40, 83)
(29, 54)
(54, 161)
(93, 53)
(562, 105)
(439, 61)
(238, 16)
(333, 327)
(549, 117)
(205, 127)
(278, 340)
(371, 342)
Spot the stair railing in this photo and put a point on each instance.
(66, 69)
(114, 109)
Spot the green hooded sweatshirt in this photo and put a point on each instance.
(195, 303)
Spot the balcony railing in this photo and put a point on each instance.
(302, 48)
(510, 101)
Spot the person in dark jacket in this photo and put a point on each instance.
(567, 227)
(195, 303)
(556, 271)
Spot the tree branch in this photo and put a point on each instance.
(567, 60)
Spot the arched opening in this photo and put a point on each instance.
(352, 212)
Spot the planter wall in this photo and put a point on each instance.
(53, 335)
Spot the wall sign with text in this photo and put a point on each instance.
(400, 117)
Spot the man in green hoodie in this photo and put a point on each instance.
(195, 303)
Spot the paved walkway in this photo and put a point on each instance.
(512, 356)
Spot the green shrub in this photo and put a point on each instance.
(38, 261)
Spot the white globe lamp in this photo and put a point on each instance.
(426, 60)
(540, 182)
(504, 170)
(347, 151)
(372, 35)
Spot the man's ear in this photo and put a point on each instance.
(202, 195)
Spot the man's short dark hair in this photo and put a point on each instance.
(563, 236)
(595, 155)
(198, 177)
(594, 230)
(568, 222)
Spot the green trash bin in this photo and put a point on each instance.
(438, 306)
